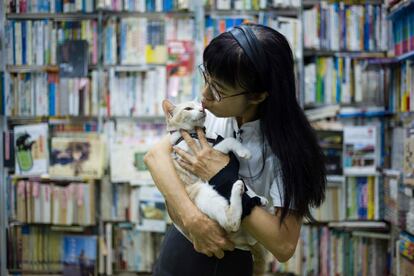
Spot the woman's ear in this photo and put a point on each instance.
(257, 98)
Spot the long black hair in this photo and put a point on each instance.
(282, 120)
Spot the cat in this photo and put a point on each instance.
(188, 116)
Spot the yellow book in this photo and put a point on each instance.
(156, 55)
(371, 197)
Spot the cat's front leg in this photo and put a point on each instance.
(235, 208)
(231, 144)
(251, 193)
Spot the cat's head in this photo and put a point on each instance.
(185, 116)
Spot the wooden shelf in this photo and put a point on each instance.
(107, 13)
(311, 3)
(52, 16)
(360, 224)
(343, 53)
(35, 272)
(281, 11)
(47, 177)
(38, 68)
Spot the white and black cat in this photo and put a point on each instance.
(227, 213)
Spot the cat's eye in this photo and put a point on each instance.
(188, 108)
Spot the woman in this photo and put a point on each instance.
(249, 93)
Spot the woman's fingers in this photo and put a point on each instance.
(185, 155)
(190, 141)
(185, 165)
(219, 253)
(202, 138)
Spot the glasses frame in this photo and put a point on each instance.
(217, 96)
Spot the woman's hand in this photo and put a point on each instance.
(206, 161)
(207, 236)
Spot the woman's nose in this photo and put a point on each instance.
(207, 94)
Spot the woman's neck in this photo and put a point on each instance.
(249, 115)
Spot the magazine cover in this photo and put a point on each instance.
(361, 149)
(79, 255)
(179, 70)
(127, 162)
(31, 149)
(77, 157)
(152, 210)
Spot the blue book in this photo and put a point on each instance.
(24, 42)
(150, 5)
(59, 6)
(168, 5)
(52, 99)
(79, 255)
(229, 23)
(14, 41)
(366, 28)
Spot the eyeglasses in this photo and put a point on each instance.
(217, 96)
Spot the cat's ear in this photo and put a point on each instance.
(168, 108)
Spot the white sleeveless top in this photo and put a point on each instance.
(263, 172)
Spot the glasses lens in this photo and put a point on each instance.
(216, 95)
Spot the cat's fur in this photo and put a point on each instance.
(188, 116)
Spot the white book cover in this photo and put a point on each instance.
(29, 48)
(31, 149)
(152, 210)
(134, 31)
(223, 4)
(134, 206)
(108, 238)
(56, 207)
(18, 41)
(37, 202)
(361, 149)
(46, 195)
(127, 162)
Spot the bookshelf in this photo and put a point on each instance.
(392, 113)
(3, 172)
(118, 222)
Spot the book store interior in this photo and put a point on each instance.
(118, 115)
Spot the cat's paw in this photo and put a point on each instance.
(244, 153)
(238, 187)
(263, 201)
(234, 227)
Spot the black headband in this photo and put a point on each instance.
(251, 46)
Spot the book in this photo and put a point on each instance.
(77, 157)
(127, 162)
(79, 255)
(34, 248)
(72, 57)
(152, 210)
(334, 80)
(133, 250)
(31, 149)
(45, 94)
(332, 26)
(35, 42)
(361, 151)
(331, 143)
(179, 70)
(133, 39)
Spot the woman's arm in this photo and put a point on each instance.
(207, 236)
(279, 239)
